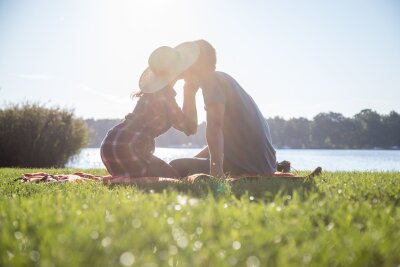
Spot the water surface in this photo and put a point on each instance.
(301, 159)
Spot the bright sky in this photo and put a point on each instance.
(295, 58)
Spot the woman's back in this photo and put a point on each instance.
(128, 147)
(151, 115)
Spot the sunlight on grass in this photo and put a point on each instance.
(340, 219)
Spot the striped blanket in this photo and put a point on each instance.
(41, 177)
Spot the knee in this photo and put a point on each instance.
(176, 163)
(180, 166)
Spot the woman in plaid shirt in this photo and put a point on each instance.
(127, 149)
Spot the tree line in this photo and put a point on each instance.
(365, 130)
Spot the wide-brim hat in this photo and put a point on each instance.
(166, 64)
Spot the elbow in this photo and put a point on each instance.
(191, 130)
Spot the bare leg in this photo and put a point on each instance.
(159, 168)
(158, 171)
(189, 166)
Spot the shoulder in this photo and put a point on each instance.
(165, 94)
(218, 80)
(162, 95)
(211, 82)
(214, 88)
(225, 78)
(170, 93)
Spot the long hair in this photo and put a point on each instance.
(137, 94)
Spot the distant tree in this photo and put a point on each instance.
(349, 136)
(277, 129)
(391, 130)
(333, 130)
(371, 130)
(297, 133)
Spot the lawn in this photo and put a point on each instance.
(337, 219)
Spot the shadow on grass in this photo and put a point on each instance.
(268, 189)
(265, 189)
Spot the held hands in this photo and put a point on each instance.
(189, 106)
(190, 88)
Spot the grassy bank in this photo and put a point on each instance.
(339, 219)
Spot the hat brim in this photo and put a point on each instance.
(150, 82)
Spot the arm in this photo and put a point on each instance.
(189, 106)
(185, 119)
(215, 138)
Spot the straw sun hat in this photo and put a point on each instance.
(166, 64)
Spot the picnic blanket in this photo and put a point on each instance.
(41, 177)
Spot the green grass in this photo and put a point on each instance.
(339, 219)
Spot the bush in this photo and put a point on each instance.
(34, 136)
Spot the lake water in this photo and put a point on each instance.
(301, 159)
